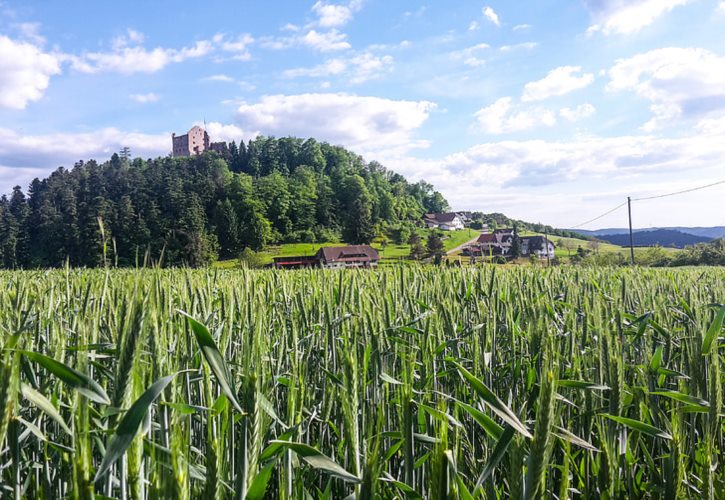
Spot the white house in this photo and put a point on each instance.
(537, 245)
(446, 222)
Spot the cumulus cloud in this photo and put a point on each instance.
(225, 132)
(579, 113)
(321, 41)
(365, 124)
(48, 151)
(491, 15)
(628, 16)
(236, 47)
(679, 82)
(498, 176)
(127, 56)
(503, 117)
(359, 68)
(25, 72)
(558, 81)
(145, 98)
(335, 15)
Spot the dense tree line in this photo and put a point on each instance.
(193, 210)
(499, 220)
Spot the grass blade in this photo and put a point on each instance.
(71, 377)
(638, 426)
(496, 405)
(43, 404)
(319, 461)
(214, 359)
(129, 425)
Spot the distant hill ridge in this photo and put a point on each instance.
(706, 232)
(662, 237)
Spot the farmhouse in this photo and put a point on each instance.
(363, 256)
(500, 241)
(446, 222)
(537, 245)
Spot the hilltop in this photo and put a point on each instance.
(193, 210)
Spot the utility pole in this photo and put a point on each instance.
(631, 238)
(546, 246)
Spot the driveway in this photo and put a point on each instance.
(460, 247)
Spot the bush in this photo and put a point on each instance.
(251, 259)
(326, 235)
(304, 236)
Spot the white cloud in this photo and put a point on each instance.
(471, 56)
(502, 117)
(335, 15)
(491, 15)
(628, 16)
(145, 98)
(721, 7)
(558, 81)
(365, 124)
(498, 176)
(47, 151)
(524, 45)
(238, 47)
(129, 59)
(131, 37)
(219, 78)
(30, 32)
(473, 26)
(579, 113)
(522, 27)
(679, 82)
(228, 133)
(25, 72)
(327, 41)
(359, 68)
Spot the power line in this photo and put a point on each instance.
(679, 192)
(690, 190)
(599, 216)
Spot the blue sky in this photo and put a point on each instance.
(551, 111)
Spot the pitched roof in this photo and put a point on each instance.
(442, 218)
(487, 238)
(351, 253)
(536, 242)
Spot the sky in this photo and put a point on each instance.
(550, 111)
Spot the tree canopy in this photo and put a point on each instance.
(196, 209)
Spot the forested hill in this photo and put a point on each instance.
(193, 210)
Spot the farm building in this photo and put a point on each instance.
(446, 222)
(499, 243)
(350, 256)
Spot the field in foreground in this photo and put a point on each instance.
(401, 383)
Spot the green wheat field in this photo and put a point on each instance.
(399, 383)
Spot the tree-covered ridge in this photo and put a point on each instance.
(192, 210)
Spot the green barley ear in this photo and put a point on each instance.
(540, 445)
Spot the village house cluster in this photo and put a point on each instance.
(500, 242)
